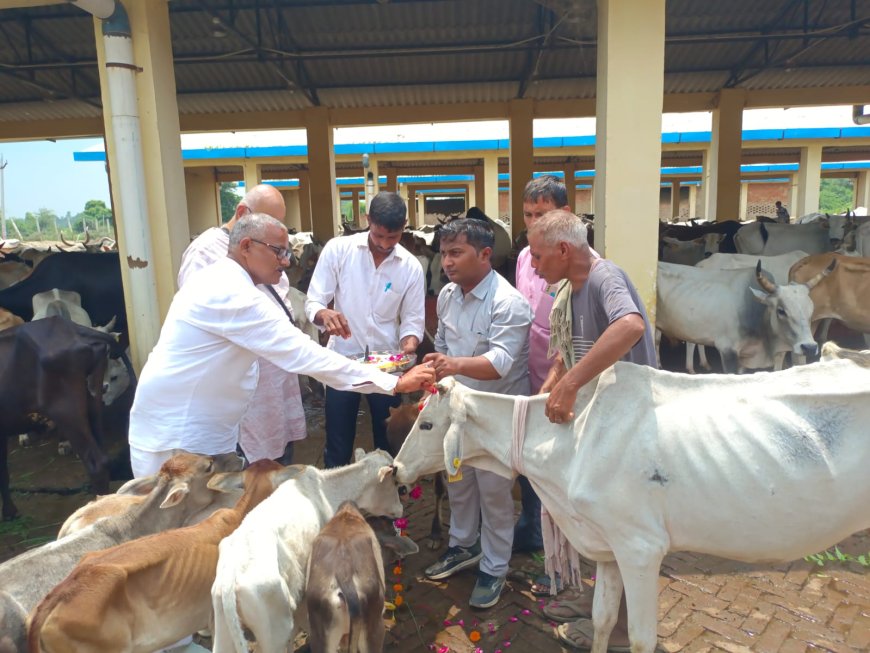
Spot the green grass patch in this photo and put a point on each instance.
(828, 556)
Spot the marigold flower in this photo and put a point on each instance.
(397, 570)
(474, 636)
(398, 587)
(398, 600)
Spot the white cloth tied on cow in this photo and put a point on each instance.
(559, 556)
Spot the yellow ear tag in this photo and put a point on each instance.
(458, 475)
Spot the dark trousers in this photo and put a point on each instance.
(341, 409)
(527, 535)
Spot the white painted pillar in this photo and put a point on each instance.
(490, 184)
(251, 173)
(744, 204)
(809, 180)
(862, 190)
(722, 166)
(631, 59)
(321, 166)
(521, 159)
(373, 189)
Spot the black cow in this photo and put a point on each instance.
(96, 277)
(53, 368)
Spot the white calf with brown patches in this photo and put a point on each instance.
(143, 595)
(345, 585)
(262, 568)
(178, 491)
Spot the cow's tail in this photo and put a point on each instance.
(228, 611)
(348, 594)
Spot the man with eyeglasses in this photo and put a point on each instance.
(275, 419)
(379, 290)
(201, 375)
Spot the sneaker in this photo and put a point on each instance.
(487, 590)
(455, 558)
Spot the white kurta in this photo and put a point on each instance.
(275, 415)
(201, 375)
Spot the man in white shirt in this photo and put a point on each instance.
(275, 417)
(379, 290)
(482, 340)
(201, 375)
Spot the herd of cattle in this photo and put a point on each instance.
(202, 545)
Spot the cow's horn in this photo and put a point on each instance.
(87, 236)
(65, 241)
(821, 275)
(766, 285)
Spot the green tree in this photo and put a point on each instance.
(835, 195)
(39, 225)
(229, 199)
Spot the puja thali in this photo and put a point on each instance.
(391, 362)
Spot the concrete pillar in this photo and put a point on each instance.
(421, 207)
(744, 195)
(392, 180)
(571, 186)
(809, 181)
(163, 232)
(203, 199)
(321, 167)
(521, 159)
(371, 191)
(631, 58)
(293, 219)
(251, 173)
(722, 167)
(470, 195)
(675, 200)
(862, 190)
(357, 220)
(411, 194)
(479, 187)
(490, 184)
(792, 205)
(305, 201)
(693, 201)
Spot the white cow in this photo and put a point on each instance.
(262, 565)
(778, 267)
(751, 327)
(769, 239)
(759, 468)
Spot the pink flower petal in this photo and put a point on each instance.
(513, 620)
(447, 622)
(461, 622)
(526, 611)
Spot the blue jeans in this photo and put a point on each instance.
(341, 408)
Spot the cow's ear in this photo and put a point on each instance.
(139, 486)
(358, 454)
(383, 472)
(176, 495)
(399, 544)
(289, 472)
(453, 449)
(759, 295)
(227, 482)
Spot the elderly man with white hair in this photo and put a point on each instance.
(200, 377)
(275, 418)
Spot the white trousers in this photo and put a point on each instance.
(487, 495)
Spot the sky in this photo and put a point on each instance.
(42, 174)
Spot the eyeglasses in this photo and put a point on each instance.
(280, 252)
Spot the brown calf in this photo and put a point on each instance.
(345, 586)
(143, 595)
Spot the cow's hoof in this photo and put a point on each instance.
(64, 448)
